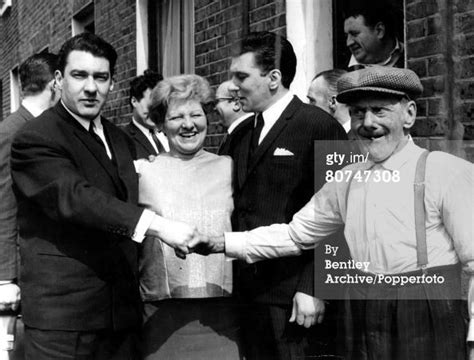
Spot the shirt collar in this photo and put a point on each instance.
(143, 129)
(390, 61)
(33, 110)
(273, 113)
(237, 122)
(84, 122)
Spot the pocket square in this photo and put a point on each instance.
(282, 152)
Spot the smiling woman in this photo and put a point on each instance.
(187, 309)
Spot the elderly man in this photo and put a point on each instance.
(408, 224)
(370, 28)
(322, 93)
(231, 114)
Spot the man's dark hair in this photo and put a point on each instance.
(331, 77)
(148, 80)
(36, 72)
(374, 12)
(90, 43)
(271, 51)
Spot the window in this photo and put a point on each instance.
(341, 53)
(171, 36)
(83, 21)
(14, 90)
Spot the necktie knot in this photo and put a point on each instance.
(159, 145)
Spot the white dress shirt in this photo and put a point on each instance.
(272, 114)
(162, 137)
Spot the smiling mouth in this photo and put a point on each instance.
(188, 135)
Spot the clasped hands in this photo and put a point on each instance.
(186, 239)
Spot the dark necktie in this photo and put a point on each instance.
(257, 130)
(95, 136)
(159, 145)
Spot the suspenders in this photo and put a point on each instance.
(419, 202)
(420, 225)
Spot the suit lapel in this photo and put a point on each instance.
(94, 148)
(141, 139)
(125, 171)
(272, 135)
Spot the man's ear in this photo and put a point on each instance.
(58, 78)
(410, 114)
(112, 83)
(332, 103)
(133, 101)
(380, 30)
(275, 79)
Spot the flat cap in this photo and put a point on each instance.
(378, 79)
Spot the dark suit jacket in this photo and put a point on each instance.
(76, 216)
(8, 208)
(270, 189)
(143, 146)
(234, 136)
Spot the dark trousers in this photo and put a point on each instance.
(410, 322)
(80, 345)
(268, 334)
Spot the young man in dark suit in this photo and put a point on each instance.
(274, 177)
(76, 187)
(147, 138)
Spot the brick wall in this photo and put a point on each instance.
(10, 58)
(219, 24)
(440, 48)
(31, 26)
(117, 25)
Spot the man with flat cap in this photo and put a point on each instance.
(408, 224)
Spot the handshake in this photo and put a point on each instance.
(185, 239)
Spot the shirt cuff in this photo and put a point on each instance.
(470, 332)
(4, 282)
(235, 244)
(143, 224)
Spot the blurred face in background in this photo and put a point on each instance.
(140, 109)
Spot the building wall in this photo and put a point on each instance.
(47, 24)
(440, 43)
(440, 49)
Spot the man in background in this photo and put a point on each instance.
(371, 35)
(231, 114)
(147, 138)
(39, 93)
(322, 93)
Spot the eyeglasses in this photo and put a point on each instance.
(218, 100)
(228, 99)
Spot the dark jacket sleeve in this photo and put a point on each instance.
(45, 173)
